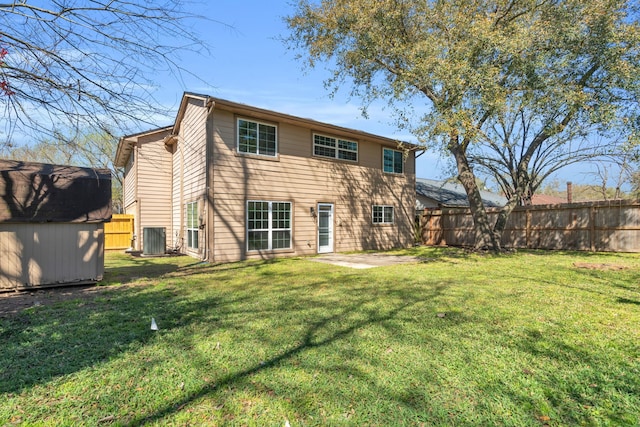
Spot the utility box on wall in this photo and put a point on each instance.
(154, 241)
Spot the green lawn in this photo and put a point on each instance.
(528, 339)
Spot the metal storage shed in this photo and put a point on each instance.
(52, 224)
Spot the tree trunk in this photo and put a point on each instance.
(484, 236)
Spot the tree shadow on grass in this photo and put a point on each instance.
(583, 378)
(139, 267)
(318, 333)
(44, 342)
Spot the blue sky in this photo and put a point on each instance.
(248, 64)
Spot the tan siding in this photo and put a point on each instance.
(48, 254)
(305, 180)
(147, 184)
(189, 169)
(154, 185)
(129, 182)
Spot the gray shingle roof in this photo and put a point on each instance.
(450, 194)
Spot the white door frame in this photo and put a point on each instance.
(325, 210)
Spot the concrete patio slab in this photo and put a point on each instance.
(368, 260)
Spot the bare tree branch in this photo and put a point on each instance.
(89, 64)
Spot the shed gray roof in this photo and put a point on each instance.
(39, 192)
(449, 194)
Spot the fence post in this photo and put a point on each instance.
(527, 230)
(592, 228)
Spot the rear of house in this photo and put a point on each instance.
(251, 183)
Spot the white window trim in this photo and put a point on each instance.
(259, 123)
(336, 148)
(384, 207)
(270, 230)
(394, 151)
(195, 229)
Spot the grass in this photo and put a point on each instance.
(528, 339)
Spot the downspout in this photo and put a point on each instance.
(137, 219)
(173, 245)
(210, 105)
(171, 141)
(180, 232)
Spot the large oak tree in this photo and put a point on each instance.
(572, 63)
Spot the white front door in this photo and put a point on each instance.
(325, 228)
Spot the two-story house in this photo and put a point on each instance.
(229, 182)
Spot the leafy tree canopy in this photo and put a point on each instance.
(474, 61)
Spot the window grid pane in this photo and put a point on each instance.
(393, 161)
(326, 146)
(347, 155)
(325, 140)
(388, 215)
(268, 225)
(247, 136)
(258, 240)
(324, 151)
(256, 138)
(258, 216)
(377, 214)
(281, 239)
(192, 225)
(398, 162)
(347, 145)
(382, 214)
(267, 144)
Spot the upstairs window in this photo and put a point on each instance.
(257, 138)
(392, 161)
(382, 214)
(326, 146)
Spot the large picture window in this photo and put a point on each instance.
(192, 225)
(257, 138)
(326, 146)
(382, 214)
(268, 225)
(393, 161)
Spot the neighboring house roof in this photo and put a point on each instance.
(543, 199)
(431, 194)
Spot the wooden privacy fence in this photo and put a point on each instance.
(119, 232)
(611, 226)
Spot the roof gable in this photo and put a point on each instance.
(126, 144)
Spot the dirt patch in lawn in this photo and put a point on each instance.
(596, 266)
(12, 303)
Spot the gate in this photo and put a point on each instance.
(118, 233)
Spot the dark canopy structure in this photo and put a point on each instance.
(38, 193)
